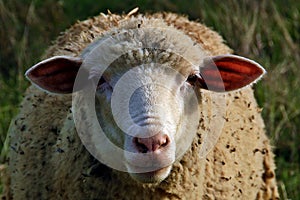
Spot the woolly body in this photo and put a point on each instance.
(48, 160)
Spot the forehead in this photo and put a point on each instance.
(130, 45)
(148, 59)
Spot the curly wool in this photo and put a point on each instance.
(48, 161)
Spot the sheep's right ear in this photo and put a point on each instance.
(56, 74)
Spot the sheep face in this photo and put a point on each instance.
(155, 110)
(137, 94)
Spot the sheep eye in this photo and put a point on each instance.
(192, 79)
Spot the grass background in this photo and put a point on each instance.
(266, 31)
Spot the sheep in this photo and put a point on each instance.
(195, 135)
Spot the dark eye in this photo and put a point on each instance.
(192, 79)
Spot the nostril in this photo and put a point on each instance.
(140, 146)
(151, 144)
(165, 142)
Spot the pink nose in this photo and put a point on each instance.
(151, 144)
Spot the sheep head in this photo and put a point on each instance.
(137, 91)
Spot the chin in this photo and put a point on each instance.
(156, 176)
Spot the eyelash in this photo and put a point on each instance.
(192, 79)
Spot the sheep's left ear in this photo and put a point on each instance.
(229, 72)
(56, 74)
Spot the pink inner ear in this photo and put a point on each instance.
(229, 72)
(56, 74)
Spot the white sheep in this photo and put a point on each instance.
(193, 128)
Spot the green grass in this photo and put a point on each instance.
(266, 31)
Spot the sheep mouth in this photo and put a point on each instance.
(155, 176)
